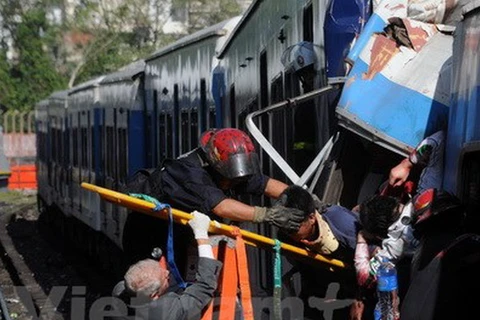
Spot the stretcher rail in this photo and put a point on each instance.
(181, 217)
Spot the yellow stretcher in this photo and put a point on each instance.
(181, 217)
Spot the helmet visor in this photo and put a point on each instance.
(239, 166)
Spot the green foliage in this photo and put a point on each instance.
(32, 76)
(54, 51)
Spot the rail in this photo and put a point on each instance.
(181, 217)
(4, 314)
(319, 160)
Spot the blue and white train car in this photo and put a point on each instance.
(179, 101)
(83, 99)
(119, 136)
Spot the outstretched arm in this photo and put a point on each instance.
(274, 188)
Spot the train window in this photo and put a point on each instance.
(278, 125)
(75, 148)
(308, 24)
(233, 113)
(91, 159)
(84, 147)
(185, 129)
(162, 125)
(212, 118)
(263, 80)
(74, 144)
(110, 152)
(175, 130)
(122, 154)
(168, 138)
(156, 134)
(193, 129)
(292, 84)
(203, 105)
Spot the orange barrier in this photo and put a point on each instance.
(23, 177)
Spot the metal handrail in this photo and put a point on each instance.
(270, 150)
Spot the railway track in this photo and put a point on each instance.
(42, 275)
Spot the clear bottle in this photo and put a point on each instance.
(387, 307)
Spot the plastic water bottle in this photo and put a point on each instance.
(387, 292)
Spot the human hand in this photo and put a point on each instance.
(285, 218)
(399, 173)
(199, 224)
(356, 310)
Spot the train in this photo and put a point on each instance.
(301, 77)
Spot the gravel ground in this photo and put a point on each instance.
(58, 270)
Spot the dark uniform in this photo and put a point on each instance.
(174, 304)
(188, 183)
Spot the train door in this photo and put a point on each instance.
(76, 162)
(66, 160)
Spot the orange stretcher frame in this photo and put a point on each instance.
(181, 217)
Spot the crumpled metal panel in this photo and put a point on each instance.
(399, 88)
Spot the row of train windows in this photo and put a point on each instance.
(178, 132)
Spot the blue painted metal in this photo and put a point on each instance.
(218, 93)
(464, 117)
(343, 22)
(399, 102)
(136, 133)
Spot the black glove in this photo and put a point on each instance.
(288, 219)
(319, 204)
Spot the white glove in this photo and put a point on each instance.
(199, 224)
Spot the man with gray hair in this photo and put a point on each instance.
(149, 293)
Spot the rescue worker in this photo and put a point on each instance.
(147, 291)
(207, 179)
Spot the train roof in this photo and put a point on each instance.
(470, 6)
(63, 94)
(240, 25)
(86, 85)
(212, 31)
(127, 73)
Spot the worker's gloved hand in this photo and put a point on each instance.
(199, 224)
(319, 204)
(285, 218)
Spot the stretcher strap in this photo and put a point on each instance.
(277, 282)
(229, 285)
(171, 251)
(244, 277)
(208, 312)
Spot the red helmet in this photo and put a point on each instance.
(230, 152)
(432, 207)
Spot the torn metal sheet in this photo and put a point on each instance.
(395, 95)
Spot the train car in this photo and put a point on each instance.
(462, 155)
(44, 196)
(57, 118)
(276, 53)
(119, 136)
(80, 112)
(179, 101)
